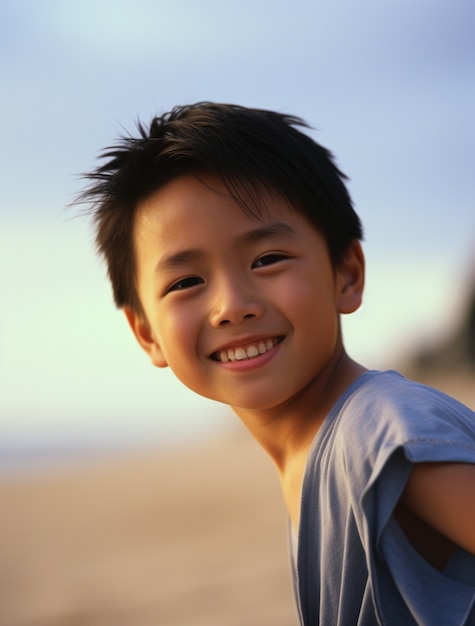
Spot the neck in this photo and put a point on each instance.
(286, 432)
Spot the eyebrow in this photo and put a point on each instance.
(178, 259)
(274, 229)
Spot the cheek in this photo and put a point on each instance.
(180, 341)
(178, 338)
(311, 309)
(308, 299)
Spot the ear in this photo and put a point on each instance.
(350, 279)
(144, 335)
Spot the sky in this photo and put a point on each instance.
(388, 87)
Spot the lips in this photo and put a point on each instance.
(246, 352)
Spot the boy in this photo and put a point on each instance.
(233, 248)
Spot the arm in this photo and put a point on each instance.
(443, 496)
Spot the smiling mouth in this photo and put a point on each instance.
(244, 353)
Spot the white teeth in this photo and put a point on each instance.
(239, 354)
(252, 351)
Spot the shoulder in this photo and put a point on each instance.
(386, 403)
(385, 411)
(389, 389)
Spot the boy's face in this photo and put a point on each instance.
(244, 311)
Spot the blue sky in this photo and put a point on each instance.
(388, 86)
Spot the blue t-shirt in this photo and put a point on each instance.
(352, 564)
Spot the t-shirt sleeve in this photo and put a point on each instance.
(411, 425)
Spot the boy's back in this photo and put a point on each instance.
(351, 521)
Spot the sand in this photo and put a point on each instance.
(194, 536)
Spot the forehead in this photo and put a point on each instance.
(203, 201)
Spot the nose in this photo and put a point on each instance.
(232, 304)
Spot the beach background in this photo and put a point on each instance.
(125, 499)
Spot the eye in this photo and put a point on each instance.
(185, 283)
(268, 259)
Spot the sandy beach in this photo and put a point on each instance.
(195, 536)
